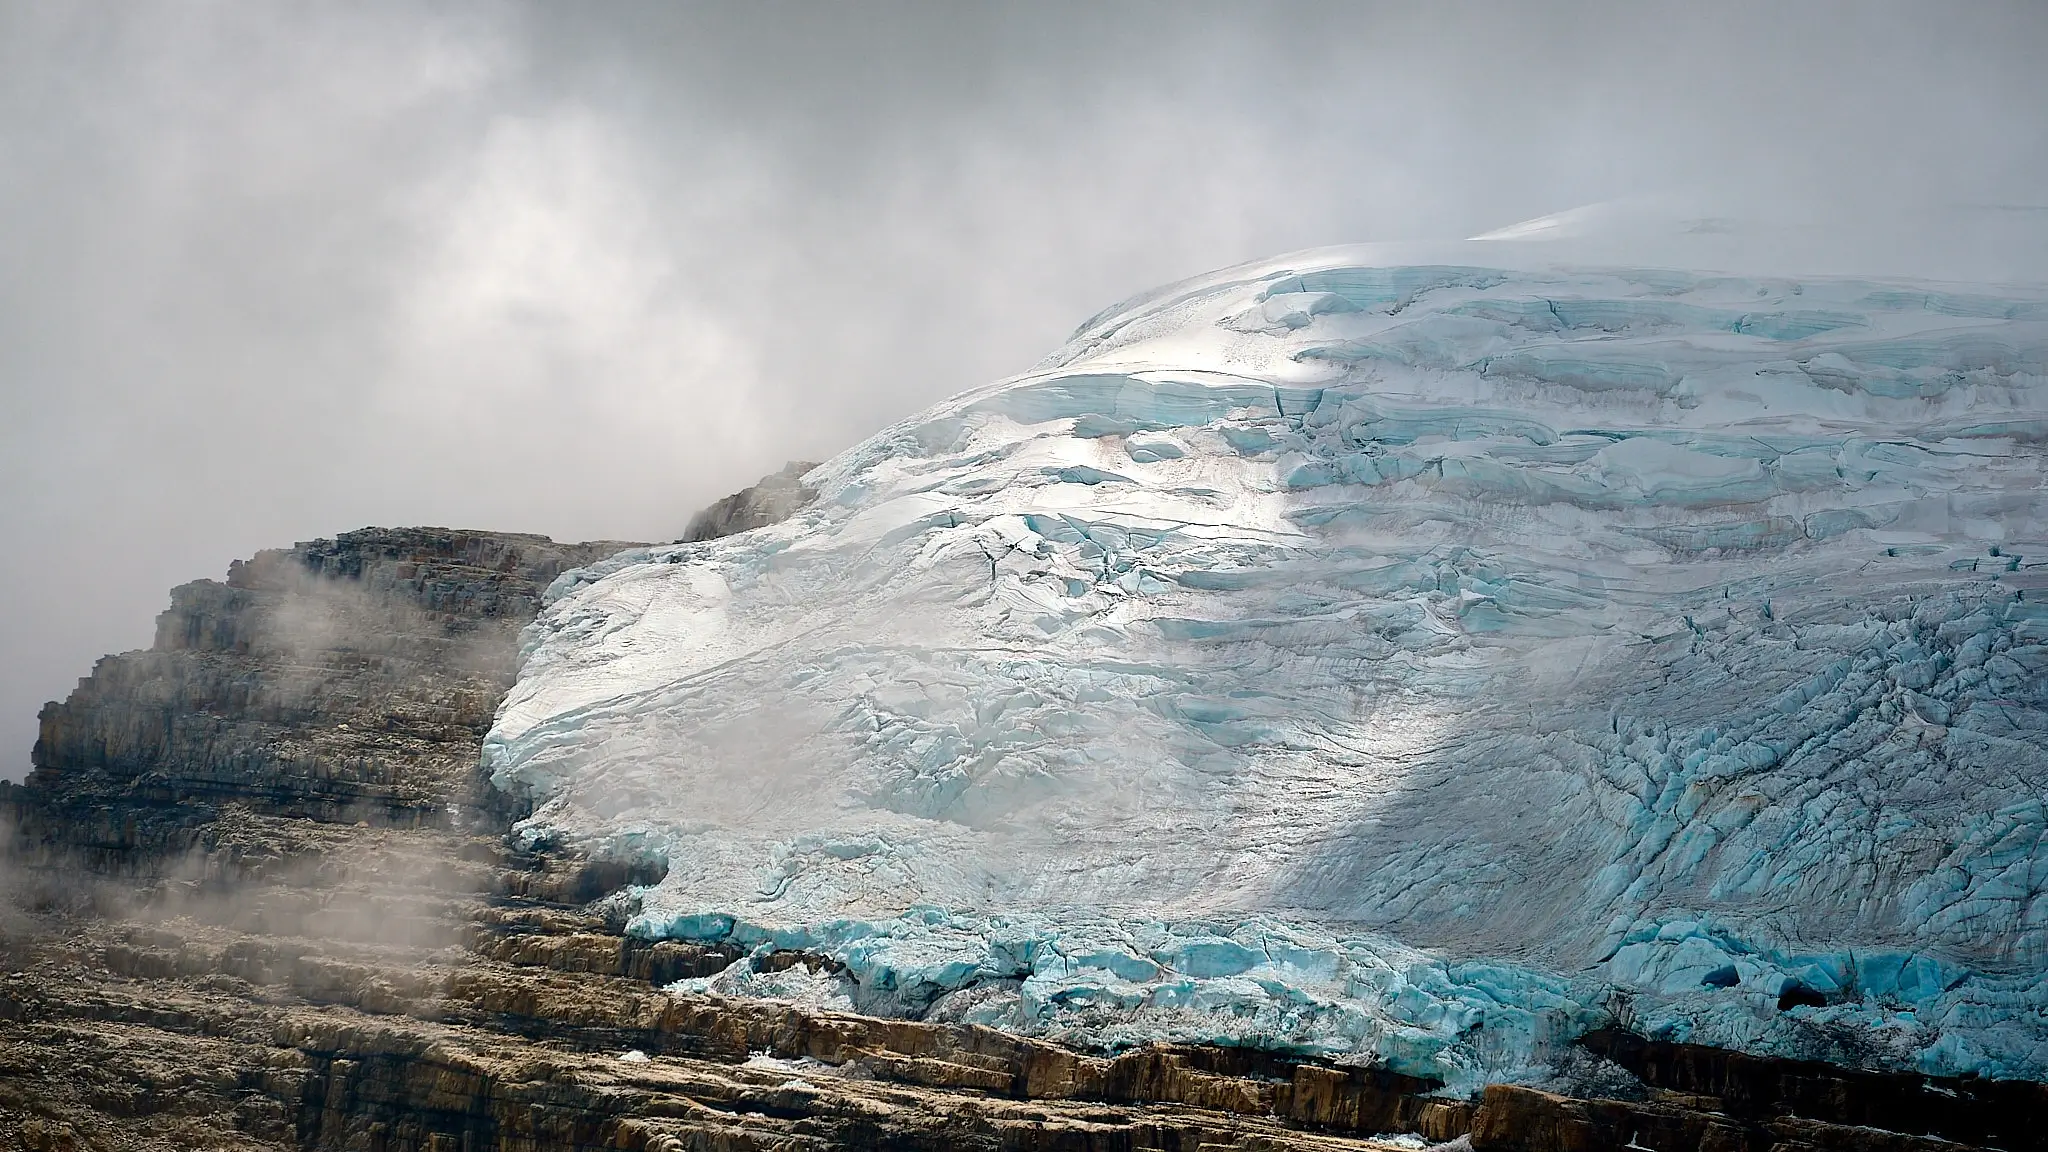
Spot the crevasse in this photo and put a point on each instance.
(1405, 663)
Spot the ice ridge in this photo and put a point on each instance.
(1415, 663)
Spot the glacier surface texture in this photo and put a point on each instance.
(1413, 664)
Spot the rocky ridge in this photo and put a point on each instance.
(261, 899)
(337, 681)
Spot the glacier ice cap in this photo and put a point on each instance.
(1392, 654)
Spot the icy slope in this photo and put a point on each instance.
(1418, 663)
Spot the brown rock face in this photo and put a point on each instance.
(338, 680)
(260, 899)
(2000, 1113)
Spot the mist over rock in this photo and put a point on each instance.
(338, 680)
(1419, 662)
(771, 500)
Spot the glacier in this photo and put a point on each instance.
(1404, 658)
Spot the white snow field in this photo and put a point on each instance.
(1399, 662)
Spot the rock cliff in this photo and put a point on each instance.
(259, 899)
(769, 501)
(336, 681)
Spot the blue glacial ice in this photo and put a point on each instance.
(1403, 662)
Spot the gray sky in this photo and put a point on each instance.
(272, 271)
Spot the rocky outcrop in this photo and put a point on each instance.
(769, 501)
(338, 681)
(1523, 1118)
(2000, 1113)
(261, 900)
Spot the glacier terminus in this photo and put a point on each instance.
(1408, 662)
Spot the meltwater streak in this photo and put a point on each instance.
(1398, 655)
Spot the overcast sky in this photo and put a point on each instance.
(272, 271)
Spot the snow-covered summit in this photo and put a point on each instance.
(1415, 662)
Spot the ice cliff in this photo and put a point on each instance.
(1414, 663)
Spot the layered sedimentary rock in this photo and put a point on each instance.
(338, 680)
(189, 1033)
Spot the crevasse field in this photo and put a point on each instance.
(1406, 663)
